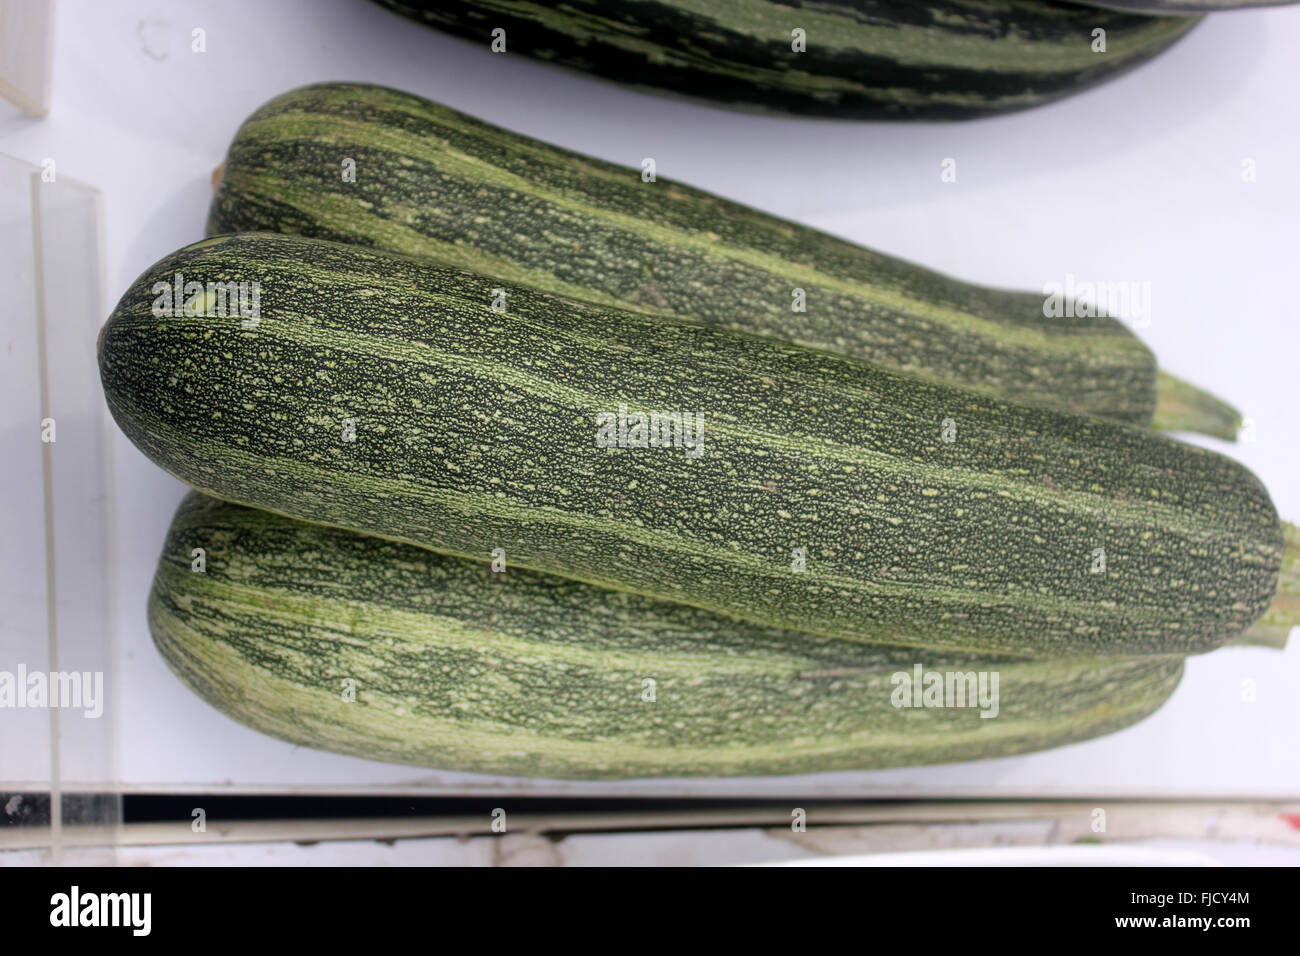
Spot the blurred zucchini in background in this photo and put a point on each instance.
(848, 59)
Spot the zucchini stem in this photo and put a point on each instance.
(1182, 407)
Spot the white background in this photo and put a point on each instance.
(1138, 180)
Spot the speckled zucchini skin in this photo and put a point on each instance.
(454, 666)
(864, 59)
(475, 429)
(436, 183)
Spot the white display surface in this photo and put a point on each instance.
(1138, 180)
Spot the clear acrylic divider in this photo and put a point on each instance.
(57, 693)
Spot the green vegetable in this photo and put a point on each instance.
(865, 59)
(800, 489)
(428, 181)
(381, 650)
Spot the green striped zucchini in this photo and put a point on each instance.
(862, 59)
(436, 183)
(380, 650)
(799, 489)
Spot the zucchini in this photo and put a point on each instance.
(450, 665)
(387, 395)
(863, 59)
(436, 183)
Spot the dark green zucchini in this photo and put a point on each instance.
(863, 59)
(380, 650)
(388, 396)
(436, 183)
